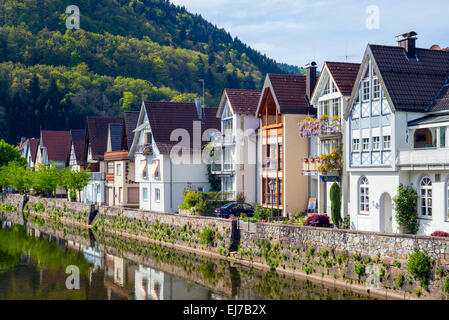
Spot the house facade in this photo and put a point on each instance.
(122, 189)
(96, 138)
(282, 106)
(30, 151)
(236, 144)
(54, 148)
(396, 134)
(330, 98)
(76, 161)
(167, 150)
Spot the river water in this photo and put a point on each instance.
(34, 260)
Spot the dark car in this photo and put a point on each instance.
(234, 209)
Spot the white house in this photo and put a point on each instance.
(330, 98)
(167, 150)
(396, 133)
(30, 151)
(236, 144)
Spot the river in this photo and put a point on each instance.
(34, 261)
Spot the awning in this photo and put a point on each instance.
(429, 121)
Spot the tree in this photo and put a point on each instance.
(46, 179)
(75, 181)
(405, 203)
(335, 196)
(9, 153)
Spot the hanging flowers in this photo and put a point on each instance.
(313, 127)
(331, 162)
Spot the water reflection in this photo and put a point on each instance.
(33, 260)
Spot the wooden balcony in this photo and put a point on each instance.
(310, 166)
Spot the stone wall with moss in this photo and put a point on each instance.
(205, 233)
(374, 260)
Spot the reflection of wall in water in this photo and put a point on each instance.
(151, 284)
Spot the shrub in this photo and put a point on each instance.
(446, 285)
(346, 222)
(359, 269)
(240, 197)
(201, 207)
(335, 196)
(405, 206)
(440, 234)
(73, 196)
(418, 265)
(400, 280)
(299, 215)
(318, 220)
(207, 236)
(191, 199)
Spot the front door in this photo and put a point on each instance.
(385, 216)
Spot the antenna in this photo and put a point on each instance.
(346, 56)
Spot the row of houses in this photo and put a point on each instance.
(369, 127)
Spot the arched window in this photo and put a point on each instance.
(364, 196)
(425, 193)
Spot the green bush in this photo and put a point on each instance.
(335, 196)
(207, 236)
(359, 269)
(418, 265)
(405, 206)
(346, 222)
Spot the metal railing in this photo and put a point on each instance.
(97, 176)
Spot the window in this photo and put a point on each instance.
(334, 87)
(336, 107)
(365, 90)
(157, 194)
(148, 138)
(447, 200)
(387, 142)
(376, 143)
(443, 132)
(110, 167)
(119, 169)
(324, 108)
(355, 145)
(365, 146)
(145, 194)
(327, 89)
(364, 196)
(120, 195)
(376, 88)
(426, 197)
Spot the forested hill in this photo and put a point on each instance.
(125, 51)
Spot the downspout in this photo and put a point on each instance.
(171, 186)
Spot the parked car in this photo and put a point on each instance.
(234, 209)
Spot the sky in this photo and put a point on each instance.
(300, 31)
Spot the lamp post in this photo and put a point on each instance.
(271, 185)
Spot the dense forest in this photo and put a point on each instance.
(125, 51)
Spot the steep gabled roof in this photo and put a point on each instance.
(116, 136)
(411, 84)
(33, 145)
(241, 101)
(289, 92)
(344, 74)
(58, 144)
(78, 141)
(131, 118)
(166, 117)
(97, 135)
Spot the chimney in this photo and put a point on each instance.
(199, 108)
(408, 42)
(310, 79)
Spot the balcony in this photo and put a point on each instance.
(310, 166)
(219, 139)
(97, 176)
(223, 169)
(313, 127)
(424, 158)
(145, 149)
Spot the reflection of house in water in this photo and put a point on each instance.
(93, 255)
(119, 277)
(151, 284)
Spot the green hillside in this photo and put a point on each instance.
(124, 52)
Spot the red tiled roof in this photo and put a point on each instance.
(34, 144)
(97, 135)
(290, 92)
(412, 84)
(58, 145)
(165, 117)
(243, 101)
(344, 74)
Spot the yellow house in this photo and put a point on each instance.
(121, 189)
(283, 104)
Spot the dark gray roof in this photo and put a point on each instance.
(116, 134)
(131, 119)
(412, 84)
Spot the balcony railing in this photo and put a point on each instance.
(272, 199)
(427, 157)
(97, 176)
(313, 127)
(310, 166)
(218, 168)
(220, 139)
